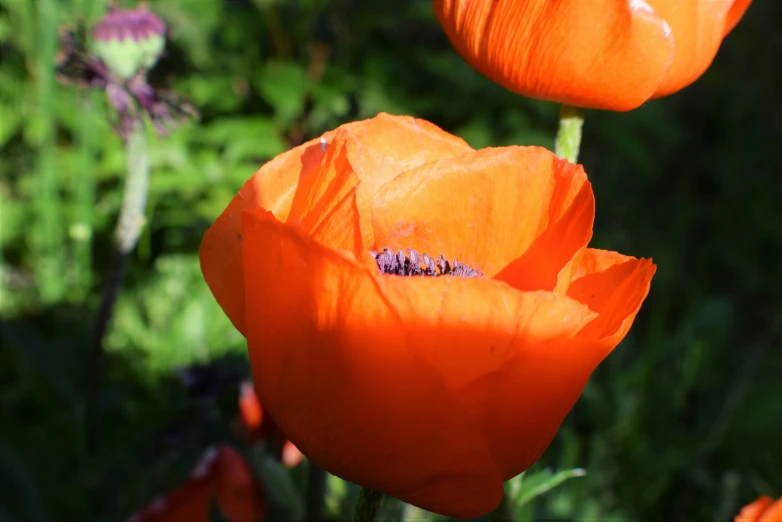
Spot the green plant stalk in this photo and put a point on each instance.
(368, 505)
(314, 493)
(48, 235)
(568, 140)
(502, 513)
(131, 218)
(412, 513)
(84, 201)
(91, 9)
(129, 226)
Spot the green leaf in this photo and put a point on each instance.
(10, 122)
(245, 138)
(173, 318)
(278, 483)
(285, 87)
(215, 515)
(524, 488)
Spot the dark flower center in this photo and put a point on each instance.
(415, 264)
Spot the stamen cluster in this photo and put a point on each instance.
(415, 264)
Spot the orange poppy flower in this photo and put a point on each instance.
(764, 509)
(601, 54)
(257, 427)
(222, 475)
(434, 390)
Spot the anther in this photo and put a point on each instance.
(415, 264)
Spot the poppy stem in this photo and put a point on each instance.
(503, 511)
(571, 119)
(368, 505)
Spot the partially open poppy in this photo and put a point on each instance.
(222, 476)
(764, 509)
(438, 386)
(601, 54)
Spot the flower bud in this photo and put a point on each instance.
(129, 41)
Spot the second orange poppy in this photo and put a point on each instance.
(601, 54)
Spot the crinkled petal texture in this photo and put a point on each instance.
(602, 54)
(433, 390)
(764, 509)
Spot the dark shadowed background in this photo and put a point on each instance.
(682, 422)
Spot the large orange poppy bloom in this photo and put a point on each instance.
(601, 54)
(764, 509)
(434, 390)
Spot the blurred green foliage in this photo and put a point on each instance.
(682, 422)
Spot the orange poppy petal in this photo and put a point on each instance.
(602, 54)
(486, 209)
(614, 286)
(376, 149)
(188, 503)
(239, 496)
(400, 146)
(463, 341)
(330, 216)
(549, 261)
(250, 407)
(735, 14)
(405, 140)
(772, 513)
(698, 27)
(272, 187)
(510, 357)
(222, 474)
(751, 512)
(318, 329)
(349, 164)
(521, 406)
(291, 456)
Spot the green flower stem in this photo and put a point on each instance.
(367, 506)
(503, 512)
(314, 493)
(131, 221)
(568, 140)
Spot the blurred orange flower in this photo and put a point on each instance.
(431, 389)
(259, 427)
(222, 475)
(764, 509)
(601, 54)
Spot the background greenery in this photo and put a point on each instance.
(682, 422)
